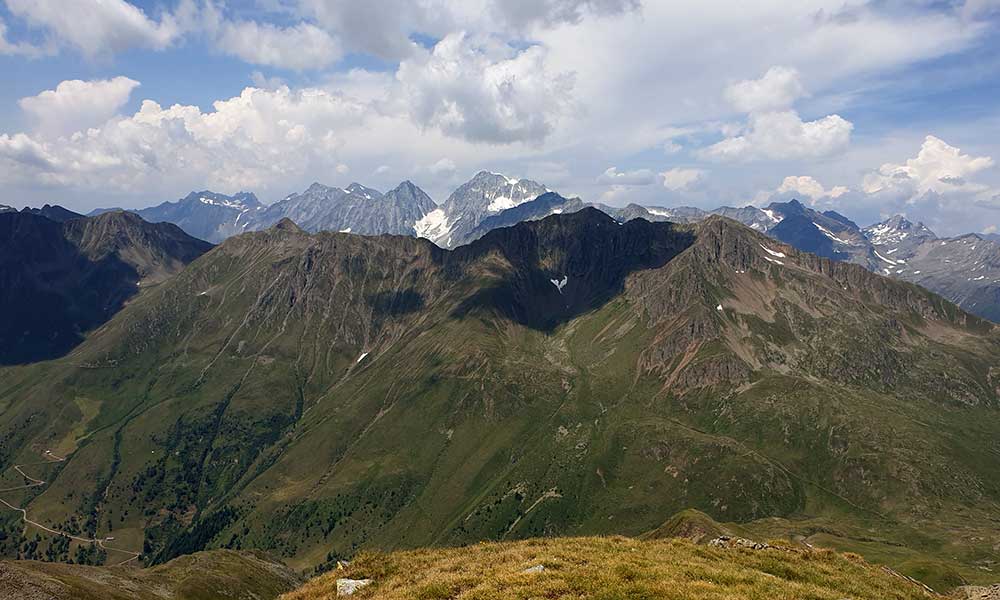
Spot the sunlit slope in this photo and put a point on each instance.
(311, 395)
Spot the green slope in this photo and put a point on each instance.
(314, 395)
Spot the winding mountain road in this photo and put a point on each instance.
(50, 459)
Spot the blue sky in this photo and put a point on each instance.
(867, 108)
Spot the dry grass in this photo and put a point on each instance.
(613, 568)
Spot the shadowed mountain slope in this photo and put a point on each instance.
(60, 279)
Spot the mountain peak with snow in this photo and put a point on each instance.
(897, 230)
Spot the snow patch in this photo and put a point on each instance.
(777, 262)
(659, 212)
(775, 218)
(831, 235)
(501, 203)
(346, 230)
(888, 260)
(719, 308)
(560, 284)
(361, 358)
(433, 226)
(772, 252)
(225, 203)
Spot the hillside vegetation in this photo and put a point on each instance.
(316, 395)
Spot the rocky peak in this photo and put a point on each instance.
(898, 230)
(54, 212)
(366, 192)
(286, 224)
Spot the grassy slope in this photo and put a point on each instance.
(454, 430)
(201, 576)
(614, 568)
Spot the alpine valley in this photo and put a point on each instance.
(316, 395)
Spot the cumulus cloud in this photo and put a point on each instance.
(936, 186)
(245, 142)
(773, 130)
(76, 105)
(484, 92)
(807, 186)
(938, 167)
(677, 179)
(300, 47)
(97, 27)
(779, 88)
(782, 136)
(613, 176)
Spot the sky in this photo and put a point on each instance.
(869, 108)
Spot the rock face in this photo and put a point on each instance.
(484, 195)
(59, 280)
(347, 587)
(356, 209)
(976, 592)
(205, 215)
(549, 203)
(53, 212)
(964, 269)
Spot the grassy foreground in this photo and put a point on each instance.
(613, 568)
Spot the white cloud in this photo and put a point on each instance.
(774, 131)
(300, 47)
(548, 13)
(247, 142)
(782, 136)
(384, 28)
(807, 186)
(445, 166)
(778, 89)
(378, 28)
(484, 92)
(76, 105)
(613, 176)
(678, 179)
(938, 167)
(97, 27)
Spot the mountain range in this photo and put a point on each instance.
(965, 269)
(313, 394)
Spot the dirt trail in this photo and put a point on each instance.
(49, 459)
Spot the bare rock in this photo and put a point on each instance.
(347, 587)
